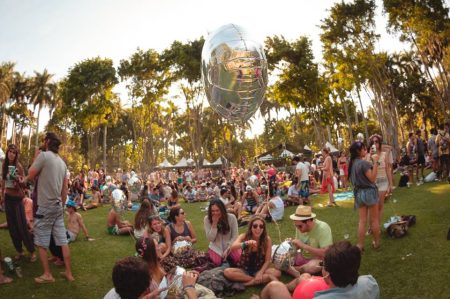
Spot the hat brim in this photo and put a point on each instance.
(300, 218)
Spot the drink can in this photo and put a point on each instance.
(9, 263)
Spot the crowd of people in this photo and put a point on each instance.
(251, 197)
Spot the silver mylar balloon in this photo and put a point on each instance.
(360, 137)
(234, 72)
(190, 162)
(118, 200)
(283, 255)
(253, 181)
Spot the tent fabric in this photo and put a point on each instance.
(165, 164)
(206, 162)
(218, 162)
(267, 157)
(287, 153)
(281, 147)
(181, 163)
(331, 147)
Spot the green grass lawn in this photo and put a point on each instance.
(416, 266)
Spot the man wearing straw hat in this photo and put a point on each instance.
(313, 237)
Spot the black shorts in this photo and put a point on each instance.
(421, 160)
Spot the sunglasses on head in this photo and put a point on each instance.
(181, 213)
(261, 226)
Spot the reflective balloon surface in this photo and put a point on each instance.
(253, 181)
(283, 255)
(234, 72)
(118, 200)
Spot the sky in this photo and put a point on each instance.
(57, 34)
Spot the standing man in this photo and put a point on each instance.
(302, 172)
(52, 195)
(420, 146)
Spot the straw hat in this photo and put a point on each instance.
(303, 213)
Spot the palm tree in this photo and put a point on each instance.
(42, 93)
(6, 86)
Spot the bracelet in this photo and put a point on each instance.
(188, 286)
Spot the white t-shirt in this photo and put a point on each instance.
(305, 171)
(188, 176)
(292, 191)
(112, 294)
(277, 213)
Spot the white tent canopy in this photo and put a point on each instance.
(165, 164)
(217, 162)
(181, 163)
(307, 148)
(331, 147)
(206, 162)
(267, 157)
(287, 153)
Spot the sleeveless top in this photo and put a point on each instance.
(174, 234)
(381, 171)
(252, 261)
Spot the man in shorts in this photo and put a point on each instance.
(52, 194)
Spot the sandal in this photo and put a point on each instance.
(63, 275)
(6, 280)
(42, 279)
(375, 246)
(33, 258)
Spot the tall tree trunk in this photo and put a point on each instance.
(105, 132)
(366, 131)
(20, 137)
(13, 137)
(349, 121)
(36, 140)
(2, 124)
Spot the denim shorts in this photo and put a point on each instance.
(366, 197)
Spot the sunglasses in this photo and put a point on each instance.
(181, 213)
(261, 226)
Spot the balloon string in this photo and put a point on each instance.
(277, 226)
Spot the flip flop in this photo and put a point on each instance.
(41, 279)
(374, 246)
(6, 280)
(63, 275)
(33, 258)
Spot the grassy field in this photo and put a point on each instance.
(416, 266)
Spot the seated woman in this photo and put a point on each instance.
(157, 231)
(221, 230)
(180, 229)
(256, 255)
(250, 200)
(141, 219)
(172, 201)
(273, 209)
(160, 279)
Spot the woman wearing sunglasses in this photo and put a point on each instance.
(256, 255)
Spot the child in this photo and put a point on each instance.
(75, 222)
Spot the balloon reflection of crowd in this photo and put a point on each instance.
(252, 197)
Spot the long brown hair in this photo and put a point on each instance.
(6, 161)
(263, 239)
(223, 226)
(146, 249)
(141, 218)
